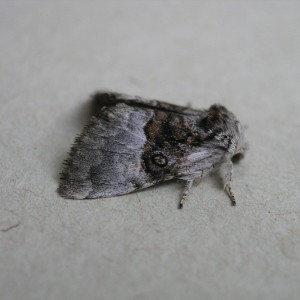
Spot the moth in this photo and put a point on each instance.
(132, 143)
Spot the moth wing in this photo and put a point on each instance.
(106, 159)
(178, 146)
(181, 124)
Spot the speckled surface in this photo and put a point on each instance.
(139, 246)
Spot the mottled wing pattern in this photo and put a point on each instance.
(105, 159)
(178, 146)
(134, 143)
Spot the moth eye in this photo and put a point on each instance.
(159, 160)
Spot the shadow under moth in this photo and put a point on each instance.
(132, 143)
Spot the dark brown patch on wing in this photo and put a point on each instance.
(170, 137)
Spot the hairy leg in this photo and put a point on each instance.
(188, 183)
(226, 172)
(187, 186)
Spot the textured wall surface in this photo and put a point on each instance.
(140, 246)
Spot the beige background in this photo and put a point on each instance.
(243, 54)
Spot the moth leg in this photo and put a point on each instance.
(226, 174)
(230, 194)
(198, 180)
(187, 186)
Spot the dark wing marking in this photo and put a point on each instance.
(101, 99)
(176, 146)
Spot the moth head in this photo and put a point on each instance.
(224, 131)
